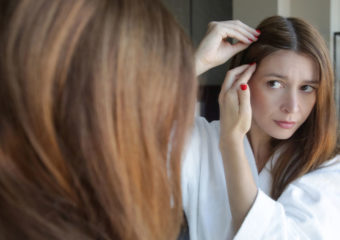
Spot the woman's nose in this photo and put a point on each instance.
(290, 103)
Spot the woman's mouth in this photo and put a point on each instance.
(285, 124)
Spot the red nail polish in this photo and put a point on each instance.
(250, 39)
(244, 87)
(252, 63)
(258, 31)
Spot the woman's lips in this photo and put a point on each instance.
(285, 124)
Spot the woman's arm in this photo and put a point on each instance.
(203, 188)
(235, 115)
(215, 50)
(308, 209)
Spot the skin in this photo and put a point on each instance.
(215, 50)
(283, 94)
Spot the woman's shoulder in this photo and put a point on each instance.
(202, 146)
(203, 183)
(308, 208)
(332, 164)
(202, 142)
(202, 153)
(328, 168)
(203, 139)
(202, 126)
(324, 180)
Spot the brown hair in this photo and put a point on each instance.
(314, 142)
(91, 128)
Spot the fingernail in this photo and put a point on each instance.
(250, 39)
(253, 63)
(258, 31)
(243, 87)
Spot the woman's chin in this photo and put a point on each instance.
(282, 136)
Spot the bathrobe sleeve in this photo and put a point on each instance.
(308, 209)
(204, 192)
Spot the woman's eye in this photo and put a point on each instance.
(307, 88)
(274, 84)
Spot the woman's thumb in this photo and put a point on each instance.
(238, 47)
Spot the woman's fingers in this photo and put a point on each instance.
(237, 47)
(232, 76)
(236, 80)
(244, 108)
(214, 50)
(234, 100)
(243, 29)
(242, 25)
(236, 26)
(243, 93)
(244, 99)
(231, 32)
(244, 78)
(250, 29)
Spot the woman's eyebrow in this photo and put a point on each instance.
(275, 75)
(312, 81)
(316, 82)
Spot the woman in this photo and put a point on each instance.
(86, 123)
(280, 179)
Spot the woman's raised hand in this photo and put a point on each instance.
(235, 108)
(235, 118)
(215, 50)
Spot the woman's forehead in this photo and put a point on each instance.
(289, 64)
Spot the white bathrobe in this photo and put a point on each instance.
(309, 208)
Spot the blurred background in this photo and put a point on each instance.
(194, 16)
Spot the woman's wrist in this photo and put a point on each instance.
(231, 143)
(199, 66)
(233, 138)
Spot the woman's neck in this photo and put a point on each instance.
(260, 144)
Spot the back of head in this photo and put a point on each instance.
(91, 131)
(318, 133)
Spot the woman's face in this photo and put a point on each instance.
(283, 93)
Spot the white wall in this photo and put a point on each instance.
(283, 7)
(335, 27)
(334, 20)
(315, 12)
(253, 12)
